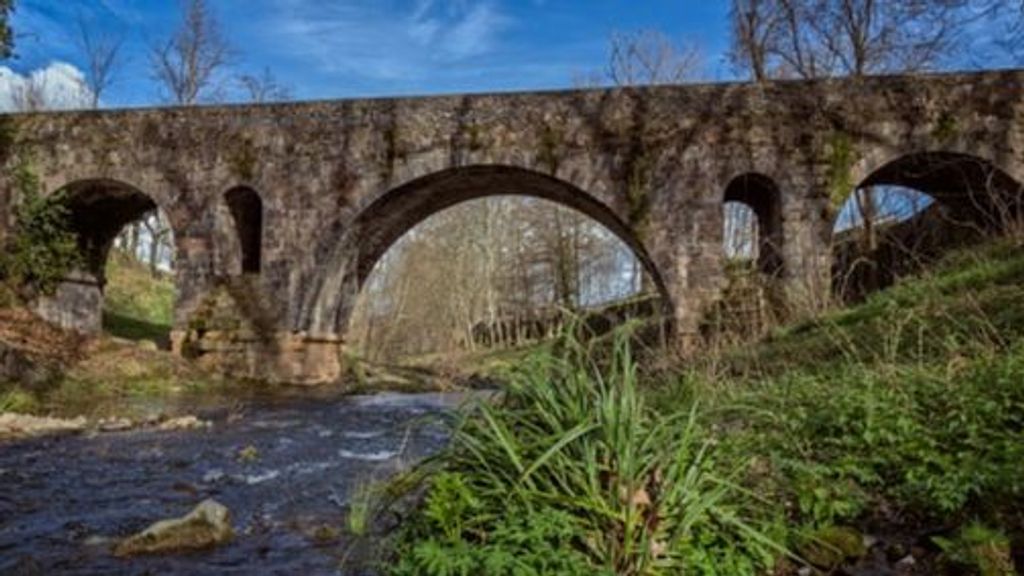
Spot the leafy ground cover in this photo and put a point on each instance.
(885, 436)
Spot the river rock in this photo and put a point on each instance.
(206, 526)
(22, 425)
(184, 423)
(115, 424)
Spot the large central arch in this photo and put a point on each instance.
(349, 258)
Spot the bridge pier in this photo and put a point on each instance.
(279, 358)
(76, 305)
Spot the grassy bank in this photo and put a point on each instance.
(896, 425)
(137, 304)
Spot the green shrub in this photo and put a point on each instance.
(42, 249)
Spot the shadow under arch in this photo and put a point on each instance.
(246, 209)
(977, 189)
(912, 209)
(350, 258)
(97, 210)
(762, 195)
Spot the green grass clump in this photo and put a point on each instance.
(571, 472)
(137, 304)
(17, 400)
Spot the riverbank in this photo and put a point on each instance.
(109, 380)
(886, 438)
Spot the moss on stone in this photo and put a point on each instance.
(946, 128)
(474, 137)
(841, 158)
(638, 189)
(242, 160)
(830, 546)
(550, 152)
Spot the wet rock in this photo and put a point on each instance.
(22, 425)
(906, 562)
(184, 423)
(830, 546)
(96, 541)
(206, 526)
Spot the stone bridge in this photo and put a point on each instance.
(280, 211)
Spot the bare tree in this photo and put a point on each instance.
(487, 272)
(754, 31)
(159, 238)
(101, 51)
(186, 65)
(648, 57)
(263, 87)
(825, 38)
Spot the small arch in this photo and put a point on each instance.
(246, 208)
(98, 210)
(975, 189)
(758, 194)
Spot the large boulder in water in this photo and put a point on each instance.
(206, 526)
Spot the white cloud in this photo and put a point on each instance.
(58, 86)
(371, 40)
(474, 32)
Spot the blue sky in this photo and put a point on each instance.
(342, 48)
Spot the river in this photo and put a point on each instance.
(63, 499)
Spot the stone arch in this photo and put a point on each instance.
(346, 260)
(97, 210)
(246, 209)
(762, 196)
(967, 196)
(972, 186)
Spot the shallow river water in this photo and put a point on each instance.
(63, 499)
